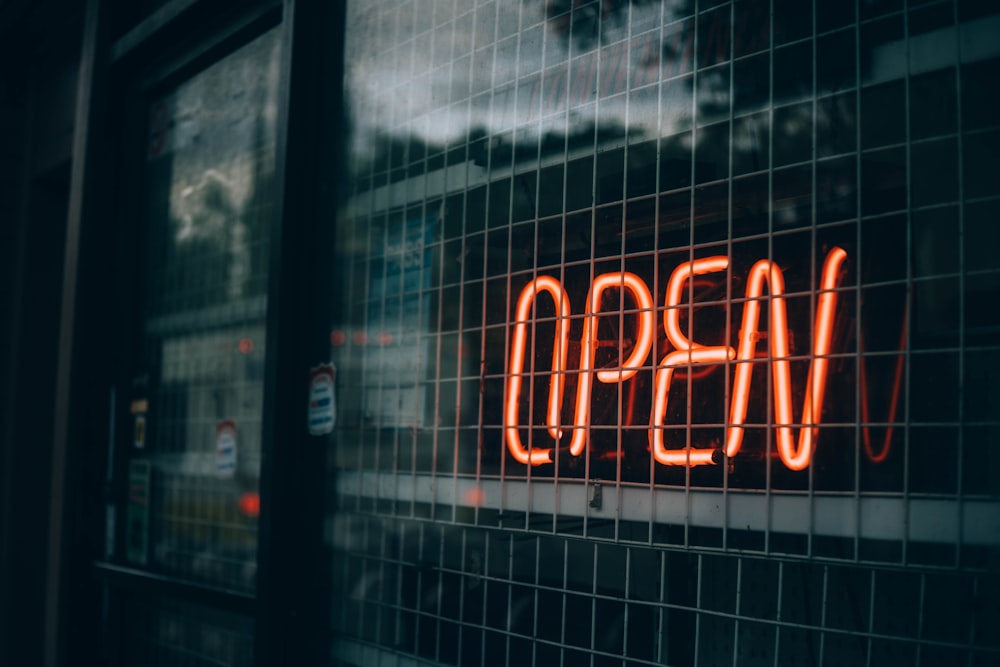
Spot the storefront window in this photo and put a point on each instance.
(666, 331)
(197, 396)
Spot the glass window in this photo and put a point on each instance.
(196, 397)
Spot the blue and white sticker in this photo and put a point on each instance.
(322, 402)
(225, 449)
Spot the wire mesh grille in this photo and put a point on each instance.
(500, 148)
(463, 595)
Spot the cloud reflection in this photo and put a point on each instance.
(444, 73)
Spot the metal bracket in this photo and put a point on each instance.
(596, 495)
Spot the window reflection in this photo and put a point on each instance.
(562, 142)
(207, 209)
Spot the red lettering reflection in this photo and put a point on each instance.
(897, 380)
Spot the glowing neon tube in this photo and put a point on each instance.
(761, 271)
(688, 353)
(675, 292)
(560, 347)
(629, 367)
(812, 408)
(686, 455)
(795, 458)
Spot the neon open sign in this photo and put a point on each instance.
(686, 354)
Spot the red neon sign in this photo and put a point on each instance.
(897, 380)
(560, 346)
(686, 355)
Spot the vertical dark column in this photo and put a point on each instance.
(39, 231)
(293, 559)
(13, 140)
(33, 263)
(68, 436)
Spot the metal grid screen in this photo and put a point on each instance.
(669, 334)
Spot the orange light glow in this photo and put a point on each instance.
(475, 497)
(630, 403)
(694, 373)
(795, 458)
(675, 292)
(643, 344)
(581, 421)
(897, 380)
(688, 353)
(560, 347)
(812, 408)
(646, 324)
(249, 504)
(715, 354)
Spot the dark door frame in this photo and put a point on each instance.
(86, 584)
